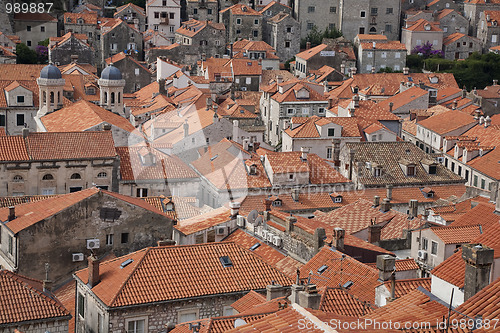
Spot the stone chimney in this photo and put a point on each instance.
(406, 71)
(304, 151)
(495, 82)
(388, 194)
(165, 242)
(355, 100)
(235, 208)
(386, 205)
(274, 291)
(373, 70)
(93, 271)
(391, 105)
(478, 260)
(487, 122)
(186, 129)
(12, 213)
(455, 104)
(376, 201)
(336, 152)
(290, 221)
(296, 289)
(310, 298)
(319, 239)
(374, 45)
(308, 45)
(26, 132)
(338, 238)
(386, 264)
(413, 208)
(279, 79)
(161, 86)
(374, 231)
(295, 194)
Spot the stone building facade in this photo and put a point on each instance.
(375, 56)
(136, 76)
(112, 222)
(39, 327)
(460, 46)
(241, 21)
(120, 38)
(473, 10)
(133, 15)
(488, 30)
(324, 14)
(33, 28)
(65, 50)
(203, 10)
(164, 16)
(283, 29)
(82, 23)
(201, 38)
(420, 33)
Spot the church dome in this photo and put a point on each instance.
(111, 73)
(50, 72)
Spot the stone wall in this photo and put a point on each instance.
(53, 326)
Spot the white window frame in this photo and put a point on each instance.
(187, 311)
(369, 54)
(305, 111)
(384, 54)
(397, 55)
(493, 38)
(127, 320)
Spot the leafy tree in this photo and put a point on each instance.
(42, 53)
(315, 36)
(388, 70)
(44, 42)
(25, 55)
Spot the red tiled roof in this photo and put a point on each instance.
(403, 98)
(308, 129)
(136, 8)
(22, 300)
(421, 24)
(447, 122)
(483, 213)
(406, 286)
(241, 9)
(88, 17)
(362, 37)
(457, 235)
(342, 268)
(402, 265)
(392, 45)
(166, 273)
(340, 301)
(34, 17)
(248, 301)
(204, 221)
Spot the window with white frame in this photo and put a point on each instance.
(329, 152)
(136, 325)
(370, 55)
(397, 55)
(187, 315)
(493, 38)
(248, 80)
(305, 111)
(384, 54)
(290, 111)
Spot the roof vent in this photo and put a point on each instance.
(322, 269)
(126, 263)
(347, 285)
(254, 247)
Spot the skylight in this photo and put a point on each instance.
(213, 158)
(226, 262)
(126, 263)
(254, 247)
(322, 269)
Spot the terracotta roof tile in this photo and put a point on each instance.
(447, 122)
(136, 8)
(168, 271)
(309, 129)
(22, 300)
(392, 45)
(248, 301)
(402, 265)
(406, 286)
(340, 301)
(204, 221)
(483, 213)
(88, 17)
(241, 9)
(457, 235)
(362, 37)
(403, 98)
(423, 25)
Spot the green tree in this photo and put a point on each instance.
(44, 42)
(315, 36)
(25, 55)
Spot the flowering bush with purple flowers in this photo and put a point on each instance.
(426, 51)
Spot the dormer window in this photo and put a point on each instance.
(68, 20)
(253, 169)
(428, 192)
(337, 198)
(410, 170)
(169, 207)
(331, 132)
(277, 203)
(377, 171)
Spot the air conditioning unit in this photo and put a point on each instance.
(270, 237)
(264, 234)
(277, 241)
(240, 221)
(77, 257)
(422, 255)
(221, 231)
(93, 244)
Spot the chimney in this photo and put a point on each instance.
(304, 151)
(267, 204)
(12, 213)
(413, 207)
(245, 144)
(374, 45)
(374, 231)
(342, 68)
(406, 71)
(161, 86)
(279, 79)
(497, 202)
(93, 271)
(478, 259)
(308, 45)
(74, 58)
(310, 298)
(495, 82)
(165, 242)
(386, 205)
(26, 132)
(386, 265)
(289, 222)
(47, 285)
(336, 152)
(353, 71)
(339, 236)
(186, 129)
(373, 70)
(319, 239)
(391, 104)
(487, 122)
(274, 291)
(376, 201)
(106, 127)
(455, 105)
(235, 208)
(355, 100)
(389, 191)
(296, 289)
(295, 194)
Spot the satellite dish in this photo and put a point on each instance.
(259, 220)
(252, 216)
(239, 322)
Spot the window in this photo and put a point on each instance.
(157, 14)
(48, 191)
(209, 11)
(425, 243)
(362, 14)
(289, 29)
(287, 44)
(397, 55)
(445, 29)
(142, 192)
(2, 120)
(20, 119)
(290, 111)
(238, 31)
(419, 42)
(483, 183)
(333, 9)
(238, 21)
(331, 132)
(18, 179)
(256, 33)
(188, 316)
(475, 180)
(248, 80)
(434, 247)
(377, 172)
(256, 22)
(11, 244)
(172, 16)
(310, 25)
(48, 177)
(432, 169)
(28, 42)
(102, 175)
(321, 110)
(388, 11)
(453, 166)
(109, 239)
(124, 237)
(195, 11)
(388, 28)
(76, 176)
(384, 54)
(81, 305)
(493, 38)
(361, 30)
(374, 11)
(305, 111)
(73, 189)
(311, 9)
(42, 29)
(329, 152)
(411, 170)
(136, 326)
(28, 28)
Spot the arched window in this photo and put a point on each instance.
(105, 97)
(112, 98)
(48, 177)
(58, 97)
(51, 97)
(373, 30)
(18, 179)
(102, 174)
(76, 176)
(119, 97)
(44, 97)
